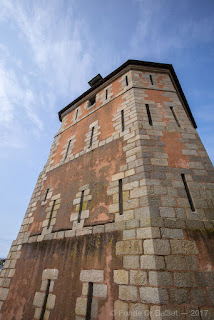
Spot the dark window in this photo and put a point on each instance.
(76, 114)
(175, 117)
(89, 301)
(187, 192)
(46, 194)
(127, 82)
(122, 120)
(151, 79)
(81, 205)
(91, 139)
(68, 147)
(45, 300)
(52, 209)
(149, 114)
(106, 94)
(120, 196)
(92, 101)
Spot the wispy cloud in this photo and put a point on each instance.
(60, 44)
(58, 50)
(160, 32)
(16, 100)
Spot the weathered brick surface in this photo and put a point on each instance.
(92, 275)
(158, 253)
(121, 277)
(160, 278)
(130, 262)
(153, 295)
(128, 293)
(152, 262)
(138, 277)
(129, 247)
(156, 246)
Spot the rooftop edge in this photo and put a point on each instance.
(137, 63)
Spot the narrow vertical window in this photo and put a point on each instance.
(76, 114)
(120, 196)
(106, 94)
(91, 140)
(150, 76)
(89, 300)
(52, 209)
(127, 83)
(175, 117)
(187, 192)
(122, 120)
(68, 147)
(81, 205)
(149, 114)
(45, 300)
(46, 194)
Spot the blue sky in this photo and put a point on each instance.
(49, 50)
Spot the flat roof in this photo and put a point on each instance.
(136, 63)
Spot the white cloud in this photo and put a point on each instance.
(165, 26)
(59, 42)
(16, 100)
(58, 58)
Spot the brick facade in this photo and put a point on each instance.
(77, 256)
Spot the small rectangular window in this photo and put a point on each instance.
(149, 114)
(92, 101)
(187, 192)
(127, 82)
(68, 147)
(91, 139)
(150, 76)
(46, 194)
(89, 300)
(120, 196)
(81, 205)
(51, 214)
(45, 300)
(106, 94)
(122, 120)
(175, 117)
(76, 114)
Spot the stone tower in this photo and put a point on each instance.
(119, 225)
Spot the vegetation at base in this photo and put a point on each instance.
(2, 261)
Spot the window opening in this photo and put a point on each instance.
(120, 196)
(81, 205)
(52, 209)
(68, 147)
(91, 139)
(92, 101)
(127, 83)
(175, 117)
(46, 194)
(149, 114)
(187, 192)
(45, 300)
(89, 301)
(122, 120)
(76, 114)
